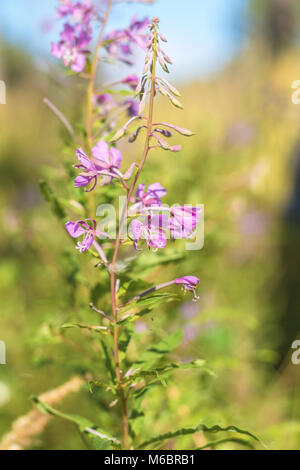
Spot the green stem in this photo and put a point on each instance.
(115, 308)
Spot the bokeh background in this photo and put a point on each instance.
(234, 62)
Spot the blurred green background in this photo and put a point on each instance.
(244, 166)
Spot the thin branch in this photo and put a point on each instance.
(92, 306)
(148, 291)
(61, 117)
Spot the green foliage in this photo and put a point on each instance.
(103, 440)
(154, 353)
(201, 427)
(49, 196)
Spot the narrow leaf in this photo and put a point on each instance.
(200, 427)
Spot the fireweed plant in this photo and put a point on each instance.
(144, 221)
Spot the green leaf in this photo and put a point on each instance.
(125, 338)
(98, 329)
(133, 317)
(150, 301)
(198, 363)
(84, 424)
(108, 362)
(96, 383)
(236, 440)
(200, 427)
(151, 355)
(100, 444)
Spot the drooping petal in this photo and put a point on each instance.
(82, 180)
(101, 151)
(115, 157)
(84, 159)
(186, 216)
(189, 281)
(74, 229)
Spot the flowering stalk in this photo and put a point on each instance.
(117, 245)
(102, 166)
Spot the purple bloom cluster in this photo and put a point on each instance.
(151, 220)
(178, 222)
(76, 34)
(105, 163)
(119, 41)
(107, 102)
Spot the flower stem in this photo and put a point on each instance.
(91, 86)
(115, 308)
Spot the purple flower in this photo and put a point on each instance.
(131, 80)
(74, 38)
(105, 162)
(65, 8)
(184, 221)
(119, 40)
(136, 31)
(152, 229)
(153, 194)
(147, 198)
(132, 107)
(82, 228)
(71, 56)
(81, 12)
(104, 99)
(189, 283)
(72, 48)
(106, 102)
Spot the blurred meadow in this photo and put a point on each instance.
(243, 164)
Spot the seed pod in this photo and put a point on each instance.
(164, 145)
(162, 37)
(180, 130)
(118, 135)
(133, 136)
(171, 87)
(161, 89)
(176, 102)
(162, 64)
(164, 132)
(121, 132)
(167, 58)
(142, 103)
